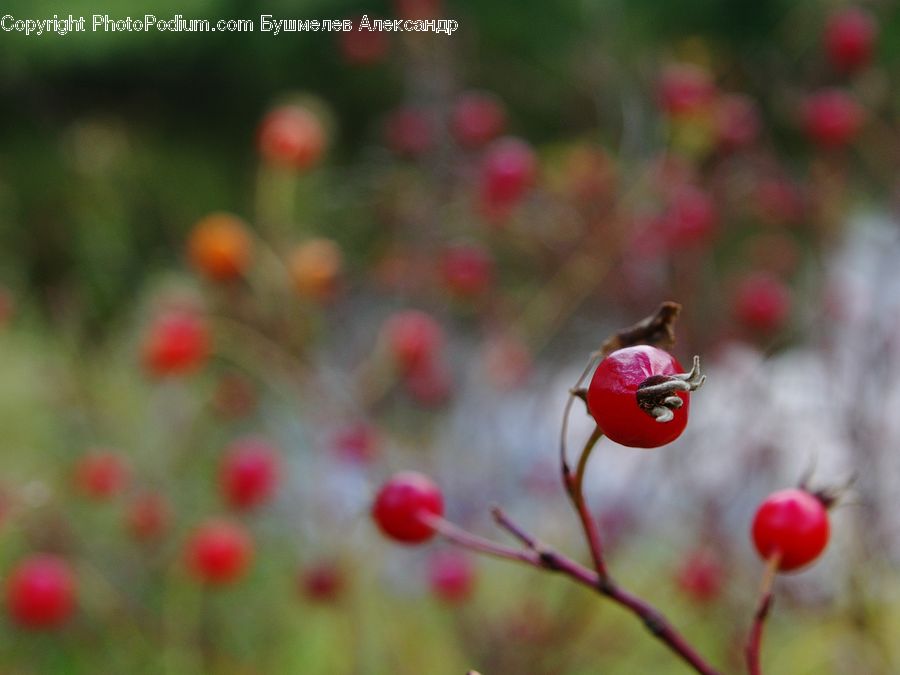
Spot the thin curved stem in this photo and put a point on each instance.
(754, 642)
(574, 484)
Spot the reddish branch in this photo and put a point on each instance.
(754, 642)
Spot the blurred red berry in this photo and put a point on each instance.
(219, 552)
(685, 88)
(477, 118)
(701, 576)
(219, 247)
(400, 503)
(409, 132)
(613, 403)
(792, 524)
(357, 442)
(291, 136)
(414, 339)
(737, 121)
(429, 384)
(508, 171)
(832, 118)
(467, 270)
(322, 582)
(451, 575)
(691, 219)
(40, 592)
(148, 516)
(178, 342)
(850, 38)
(248, 475)
(363, 47)
(101, 474)
(762, 301)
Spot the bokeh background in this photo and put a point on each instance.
(547, 174)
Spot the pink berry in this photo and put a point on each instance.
(832, 118)
(762, 301)
(219, 552)
(850, 38)
(508, 171)
(685, 88)
(701, 576)
(414, 339)
(358, 442)
(467, 270)
(401, 503)
(737, 121)
(101, 474)
(40, 592)
(291, 136)
(691, 219)
(249, 472)
(477, 118)
(451, 576)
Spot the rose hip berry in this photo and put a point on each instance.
(701, 576)
(322, 582)
(762, 301)
(690, 220)
(850, 39)
(178, 342)
(451, 576)
(400, 504)
(508, 171)
(640, 396)
(467, 270)
(101, 474)
(414, 339)
(40, 592)
(737, 121)
(477, 118)
(358, 443)
(249, 472)
(685, 89)
(832, 118)
(219, 247)
(792, 524)
(291, 136)
(219, 552)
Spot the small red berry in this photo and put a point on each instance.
(408, 132)
(101, 474)
(401, 502)
(291, 136)
(249, 472)
(477, 118)
(850, 38)
(451, 576)
(508, 171)
(793, 524)
(701, 576)
(467, 270)
(178, 342)
(414, 339)
(613, 401)
(219, 552)
(40, 592)
(322, 582)
(762, 301)
(357, 442)
(832, 118)
(685, 88)
(148, 516)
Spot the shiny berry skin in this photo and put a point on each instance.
(832, 118)
(451, 576)
(101, 475)
(408, 132)
(219, 247)
(40, 592)
(400, 502)
(178, 342)
(322, 582)
(701, 576)
(477, 118)
(414, 340)
(315, 267)
(794, 524)
(508, 171)
(612, 397)
(467, 270)
(362, 47)
(762, 301)
(248, 475)
(219, 552)
(291, 136)
(684, 89)
(850, 39)
(148, 516)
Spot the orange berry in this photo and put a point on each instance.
(315, 267)
(220, 247)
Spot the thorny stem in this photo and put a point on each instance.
(754, 642)
(542, 557)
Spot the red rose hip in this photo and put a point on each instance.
(792, 524)
(40, 592)
(400, 504)
(219, 552)
(850, 39)
(178, 343)
(249, 472)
